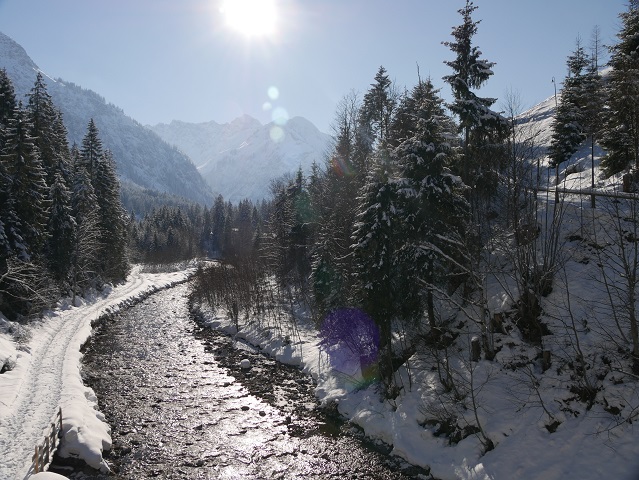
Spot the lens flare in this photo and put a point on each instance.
(351, 340)
(277, 133)
(280, 116)
(273, 92)
(342, 166)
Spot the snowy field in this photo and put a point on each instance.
(44, 375)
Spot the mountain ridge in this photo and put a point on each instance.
(239, 159)
(142, 157)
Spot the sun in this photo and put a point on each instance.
(252, 18)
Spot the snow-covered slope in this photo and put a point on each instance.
(539, 119)
(142, 157)
(240, 158)
(574, 174)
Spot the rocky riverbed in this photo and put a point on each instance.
(182, 407)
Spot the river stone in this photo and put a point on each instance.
(245, 363)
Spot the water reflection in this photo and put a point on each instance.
(180, 406)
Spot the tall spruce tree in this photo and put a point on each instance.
(434, 210)
(378, 106)
(11, 241)
(8, 103)
(28, 191)
(43, 115)
(86, 236)
(91, 150)
(483, 130)
(10, 238)
(112, 222)
(374, 248)
(569, 121)
(61, 229)
(63, 152)
(620, 134)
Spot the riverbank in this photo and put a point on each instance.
(41, 373)
(587, 445)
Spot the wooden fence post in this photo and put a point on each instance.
(36, 469)
(43, 453)
(45, 459)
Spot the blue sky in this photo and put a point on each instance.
(161, 60)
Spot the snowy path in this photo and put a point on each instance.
(46, 375)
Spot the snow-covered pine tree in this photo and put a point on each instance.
(28, 191)
(620, 134)
(8, 103)
(434, 210)
(374, 248)
(378, 106)
(61, 229)
(11, 241)
(63, 152)
(91, 149)
(569, 122)
(112, 219)
(42, 116)
(50, 136)
(86, 237)
(483, 130)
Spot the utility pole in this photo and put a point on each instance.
(592, 169)
(557, 166)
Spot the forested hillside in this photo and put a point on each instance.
(62, 225)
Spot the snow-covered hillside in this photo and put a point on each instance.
(240, 158)
(535, 126)
(142, 158)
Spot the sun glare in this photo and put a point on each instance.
(253, 18)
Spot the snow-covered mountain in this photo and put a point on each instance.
(240, 158)
(142, 157)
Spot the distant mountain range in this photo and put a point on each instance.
(239, 159)
(143, 159)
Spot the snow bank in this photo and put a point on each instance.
(47, 476)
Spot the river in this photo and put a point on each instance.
(180, 406)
